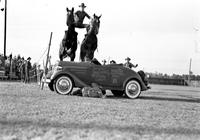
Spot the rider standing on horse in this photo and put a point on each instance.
(79, 17)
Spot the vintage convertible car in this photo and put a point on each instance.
(120, 80)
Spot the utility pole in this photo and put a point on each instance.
(190, 72)
(46, 64)
(196, 41)
(5, 25)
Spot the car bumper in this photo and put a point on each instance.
(46, 80)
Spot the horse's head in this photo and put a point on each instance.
(70, 16)
(95, 24)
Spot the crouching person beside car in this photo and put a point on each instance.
(94, 91)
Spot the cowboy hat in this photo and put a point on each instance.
(113, 62)
(82, 5)
(28, 58)
(128, 58)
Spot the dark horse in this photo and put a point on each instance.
(89, 44)
(68, 46)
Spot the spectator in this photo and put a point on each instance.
(7, 66)
(104, 62)
(27, 70)
(14, 65)
(18, 63)
(112, 62)
(22, 69)
(128, 64)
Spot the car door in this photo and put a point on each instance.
(117, 76)
(82, 71)
(100, 74)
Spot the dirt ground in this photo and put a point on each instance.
(164, 112)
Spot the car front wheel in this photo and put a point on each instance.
(132, 89)
(63, 85)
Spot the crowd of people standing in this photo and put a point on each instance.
(18, 67)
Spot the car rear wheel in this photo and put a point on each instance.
(132, 89)
(117, 93)
(63, 85)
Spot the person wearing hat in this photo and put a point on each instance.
(104, 62)
(112, 62)
(27, 70)
(22, 69)
(79, 17)
(128, 64)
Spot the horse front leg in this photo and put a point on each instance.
(82, 56)
(82, 53)
(61, 58)
(61, 51)
(93, 50)
(72, 56)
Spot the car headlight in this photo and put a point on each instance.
(57, 68)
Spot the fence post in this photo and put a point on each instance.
(38, 74)
(45, 68)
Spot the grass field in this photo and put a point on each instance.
(164, 112)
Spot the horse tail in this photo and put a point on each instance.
(61, 51)
(82, 54)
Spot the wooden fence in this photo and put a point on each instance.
(167, 81)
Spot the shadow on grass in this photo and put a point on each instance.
(190, 100)
(159, 98)
(138, 129)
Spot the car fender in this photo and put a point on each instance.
(137, 78)
(76, 80)
(50, 85)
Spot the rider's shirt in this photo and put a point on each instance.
(129, 65)
(80, 16)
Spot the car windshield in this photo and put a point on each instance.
(95, 61)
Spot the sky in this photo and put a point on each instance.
(158, 35)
